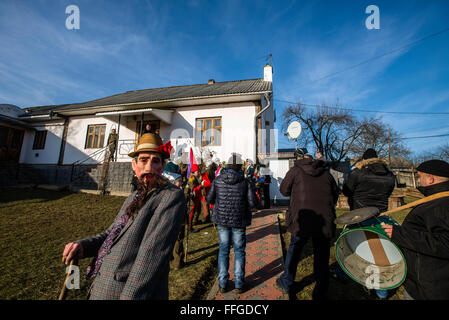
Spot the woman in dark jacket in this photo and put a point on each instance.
(313, 195)
(232, 197)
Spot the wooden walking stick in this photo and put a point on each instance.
(64, 287)
(417, 202)
(188, 229)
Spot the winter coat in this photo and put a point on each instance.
(138, 263)
(424, 240)
(370, 184)
(232, 197)
(313, 195)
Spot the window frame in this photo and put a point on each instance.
(101, 136)
(200, 137)
(40, 137)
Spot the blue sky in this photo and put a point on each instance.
(130, 45)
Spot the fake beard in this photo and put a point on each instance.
(145, 185)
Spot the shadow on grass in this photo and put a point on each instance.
(203, 257)
(20, 194)
(204, 248)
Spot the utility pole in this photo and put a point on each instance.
(389, 146)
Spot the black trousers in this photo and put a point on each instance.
(321, 253)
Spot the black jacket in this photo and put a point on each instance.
(313, 194)
(424, 240)
(232, 197)
(370, 184)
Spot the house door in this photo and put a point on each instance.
(10, 143)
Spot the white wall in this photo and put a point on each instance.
(48, 155)
(237, 134)
(279, 169)
(77, 132)
(237, 121)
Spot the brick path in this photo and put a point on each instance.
(264, 261)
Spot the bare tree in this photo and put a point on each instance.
(441, 152)
(332, 130)
(378, 135)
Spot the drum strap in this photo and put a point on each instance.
(380, 257)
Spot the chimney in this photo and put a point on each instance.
(211, 81)
(268, 73)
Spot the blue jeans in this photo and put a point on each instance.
(238, 236)
(321, 253)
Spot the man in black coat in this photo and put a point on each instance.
(424, 237)
(370, 184)
(313, 195)
(232, 196)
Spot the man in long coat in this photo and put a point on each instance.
(131, 258)
(311, 215)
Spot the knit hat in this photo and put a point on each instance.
(435, 167)
(369, 153)
(235, 159)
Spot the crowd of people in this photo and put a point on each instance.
(131, 258)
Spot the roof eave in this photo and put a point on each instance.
(167, 103)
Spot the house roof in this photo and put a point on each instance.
(216, 89)
(15, 122)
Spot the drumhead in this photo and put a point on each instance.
(356, 216)
(367, 255)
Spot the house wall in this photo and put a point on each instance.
(77, 132)
(269, 136)
(237, 122)
(50, 153)
(237, 134)
(278, 169)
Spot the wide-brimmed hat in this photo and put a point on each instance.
(148, 142)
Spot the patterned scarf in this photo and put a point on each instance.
(95, 265)
(144, 188)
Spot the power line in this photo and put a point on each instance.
(435, 136)
(382, 55)
(363, 110)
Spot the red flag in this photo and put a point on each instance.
(193, 163)
(192, 167)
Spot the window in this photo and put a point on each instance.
(208, 132)
(4, 131)
(95, 136)
(39, 139)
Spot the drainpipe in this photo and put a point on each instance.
(118, 136)
(63, 140)
(268, 99)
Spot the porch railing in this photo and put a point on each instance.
(101, 156)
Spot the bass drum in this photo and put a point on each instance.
(368, 256)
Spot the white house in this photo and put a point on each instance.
(223, 117)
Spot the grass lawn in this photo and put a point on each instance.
(36, 224)
(346, 289)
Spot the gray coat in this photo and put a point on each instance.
(137, 264)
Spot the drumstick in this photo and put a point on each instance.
(417, 202)
(64, 287)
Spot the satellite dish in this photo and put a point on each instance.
(294, 130)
